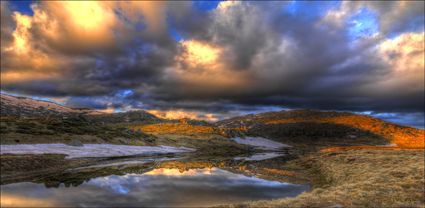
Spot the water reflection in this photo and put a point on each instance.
(261, 156)
(158, 187)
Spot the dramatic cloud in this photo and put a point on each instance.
(177, 59)
(199, 71)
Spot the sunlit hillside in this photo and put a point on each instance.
(287, 123)
(174, 128)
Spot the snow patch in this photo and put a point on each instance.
(90, 150)
(260, 143)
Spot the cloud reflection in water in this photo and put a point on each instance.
(161, 187)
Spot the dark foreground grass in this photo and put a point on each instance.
(359, 178)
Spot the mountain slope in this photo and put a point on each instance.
(291, 125)
(25, 120)
(27, 107)
(30, 108)
(137, 116)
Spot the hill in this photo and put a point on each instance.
(133, 117)
(27, 107)
(24, 107)
(25, 120)
(302, 125)
(34, 118)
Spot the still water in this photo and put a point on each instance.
(156, 188)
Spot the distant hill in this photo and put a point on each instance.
(137, 116)
(25, 120)
(25, 107)
(297, 125)
(300, 127)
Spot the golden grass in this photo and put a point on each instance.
(173, 128)
(360, 178)
(404, 137)
(365, 147)
(10, 200)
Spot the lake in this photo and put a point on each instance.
(155, 188)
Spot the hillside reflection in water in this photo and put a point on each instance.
(158, 187)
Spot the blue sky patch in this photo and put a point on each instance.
(175, 34)
(310, 9)
(363, 24)
(124, 93)
(23, 7)
(205, 5)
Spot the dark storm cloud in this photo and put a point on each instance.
(269, 54)
(317, 68)
(7, 25)
(126, 56)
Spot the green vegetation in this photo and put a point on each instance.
(54, 130)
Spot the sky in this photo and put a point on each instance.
(213, 60)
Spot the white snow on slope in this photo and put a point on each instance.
(260, 143)
(91, 150)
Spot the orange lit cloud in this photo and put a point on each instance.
(23, 61)
(42, 42)
(16, 77)
(93, 25)
(405, 55)
(8, 200)
(199, 64)
(23, 23)
(405, 52)
(199, 55)
(107, 110)
(179, 114)
(178, 173)
(83, 25)
(75, 25)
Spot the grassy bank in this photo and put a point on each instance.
(359, 178)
